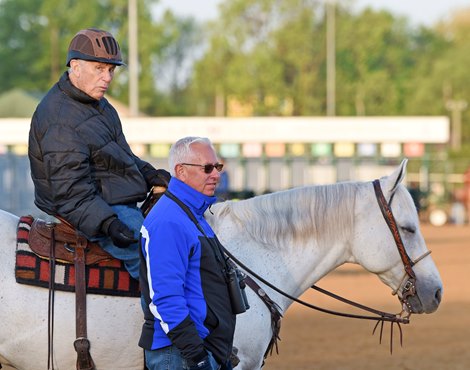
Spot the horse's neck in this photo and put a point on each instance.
(288, 247)
(8, 226)
(292, 269)
(303, 265)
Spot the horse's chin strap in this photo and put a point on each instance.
(407, 286)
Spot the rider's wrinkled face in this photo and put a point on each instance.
(195, 176)
(93, 78)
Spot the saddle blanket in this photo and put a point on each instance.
(106, 277)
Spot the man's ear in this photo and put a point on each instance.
(180, 172)
(75, 67)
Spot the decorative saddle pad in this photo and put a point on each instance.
(105, 277)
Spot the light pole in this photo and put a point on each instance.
(456, 107)
(330, 58)
(133, 60)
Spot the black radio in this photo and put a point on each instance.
(236, 288)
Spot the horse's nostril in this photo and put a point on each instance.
(438, 295)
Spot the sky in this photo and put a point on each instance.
(419, 12)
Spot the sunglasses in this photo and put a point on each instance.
(208, 168)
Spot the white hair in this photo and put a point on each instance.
(181, 151)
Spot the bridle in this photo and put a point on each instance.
(407, 285)
(408, 282)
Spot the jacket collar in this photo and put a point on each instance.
(76, 94)
(196, 201)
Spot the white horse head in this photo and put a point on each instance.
(387, 267)
(291, 238)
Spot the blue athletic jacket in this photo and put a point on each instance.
(183, 286)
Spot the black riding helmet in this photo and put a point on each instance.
(95, 45)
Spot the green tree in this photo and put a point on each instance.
(251, 57)
(21, 23)
(277, 49)
(441, 74)
(299, 47)
(423, 92)
(372, 57)
(176, 43)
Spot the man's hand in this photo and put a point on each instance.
(159, 178)
(120, 234)
(202, 365)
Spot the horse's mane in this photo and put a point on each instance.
(324, 212)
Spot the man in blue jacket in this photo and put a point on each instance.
(189, 322)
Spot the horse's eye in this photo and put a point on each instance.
(409, 229)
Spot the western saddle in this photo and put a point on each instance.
(62, 242)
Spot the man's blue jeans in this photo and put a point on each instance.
(133, 218)
(169, 358)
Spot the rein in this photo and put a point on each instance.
(381, 316)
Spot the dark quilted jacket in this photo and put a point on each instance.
(80, 160)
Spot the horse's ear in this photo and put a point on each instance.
(395, 178)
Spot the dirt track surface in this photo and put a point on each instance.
(312, 340)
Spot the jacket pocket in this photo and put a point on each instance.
(211, 321)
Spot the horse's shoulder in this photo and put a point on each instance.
(9, 219)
